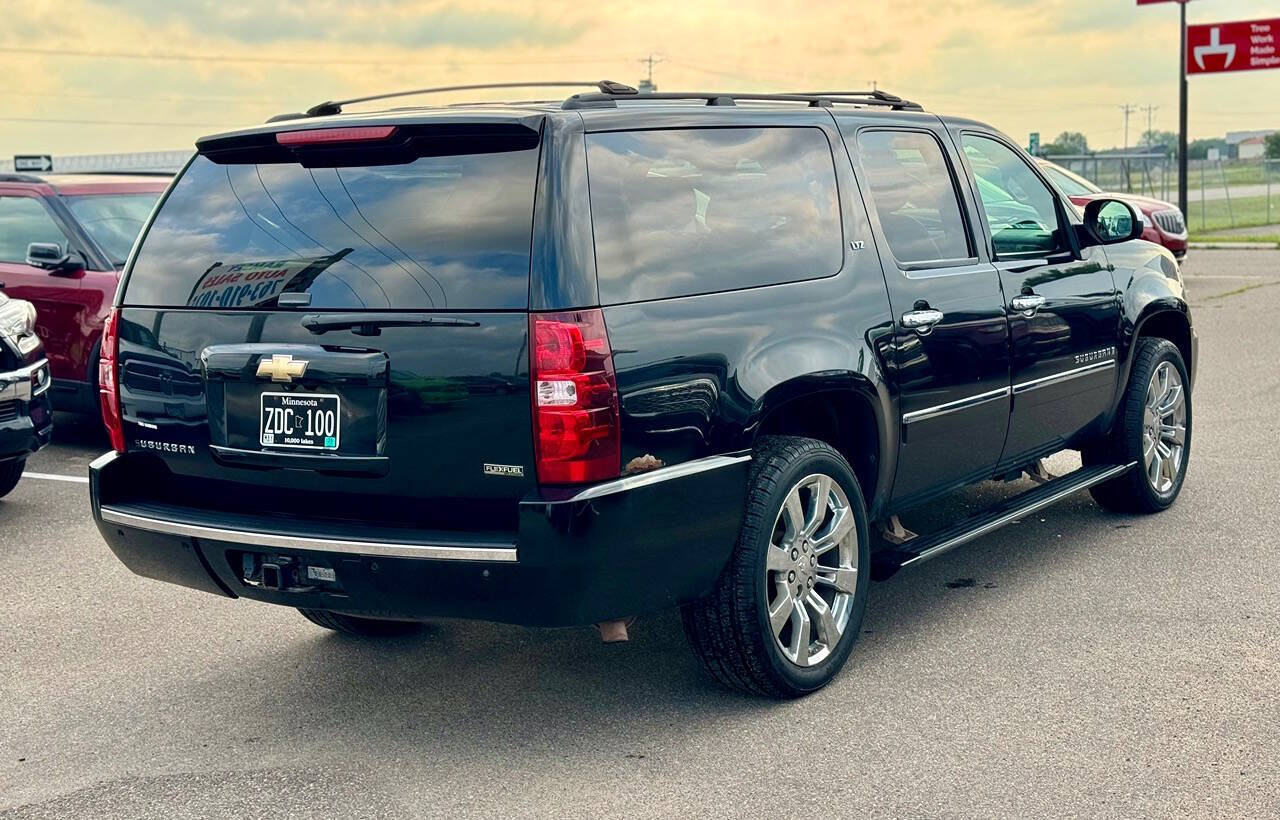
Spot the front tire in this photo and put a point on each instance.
(787, 609)
(10, 472)
(1153, 428)
(357, 626)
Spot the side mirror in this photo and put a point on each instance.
(1109, 221)
(51, 257)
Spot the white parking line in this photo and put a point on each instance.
(74, 479)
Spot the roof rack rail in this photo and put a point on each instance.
(7, 177)
(816, 99)
(335, 106)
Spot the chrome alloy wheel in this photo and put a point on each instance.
(811, 573)
(1164, 427)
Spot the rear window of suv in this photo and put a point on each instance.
(689, 211)
(438, 232)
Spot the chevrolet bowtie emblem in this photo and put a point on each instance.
(281, 368)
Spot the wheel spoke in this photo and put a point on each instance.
(841, 526)
(819, 492)
(802, 634)
(1175, 434)
(1154, 468)
(1155, 389)
(781, 611)
(824, 619)
(794, 512)
(1163, 450)
(778, 559)
(1170, 401)
(840, 578)
(1168, 471)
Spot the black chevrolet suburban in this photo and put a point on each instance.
(562, 363)
(26, 417)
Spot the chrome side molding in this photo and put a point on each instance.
(1066, 375)
(687, 468)
(438, 551)
(954, 406)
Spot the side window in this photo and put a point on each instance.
(682, 212)
(24, 220)
(1018, 205)
(914, 195)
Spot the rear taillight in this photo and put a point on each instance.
(576, 433)
(108, 380)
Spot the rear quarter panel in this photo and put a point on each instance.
(697, 374)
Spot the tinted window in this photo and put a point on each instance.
(1068, 183)
(1019, 206)
(914, 195)
(698, 211)
(113, 220)
(438, 232)
(24, 220)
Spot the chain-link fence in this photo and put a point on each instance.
(1222, 194)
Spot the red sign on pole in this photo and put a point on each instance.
(1240, 46)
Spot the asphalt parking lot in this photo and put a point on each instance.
(1077, 663)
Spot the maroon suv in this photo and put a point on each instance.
(63, 241)
(1164, 222)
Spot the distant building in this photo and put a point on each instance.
(1252, 148)
(136, 162)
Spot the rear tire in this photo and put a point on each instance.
(1152, 428)
(355, 625)
(787, 609)
(10, 472)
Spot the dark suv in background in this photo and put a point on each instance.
(563, 363)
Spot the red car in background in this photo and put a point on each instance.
(1164, 222)
(63, 242)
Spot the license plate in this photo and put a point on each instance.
(308, 421)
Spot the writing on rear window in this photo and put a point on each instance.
(440, 232)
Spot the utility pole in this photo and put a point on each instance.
(1150, 109)
(646, 85)
(1127, 109)
(1124, 162)
(1182, 110)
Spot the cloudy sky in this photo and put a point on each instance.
(84, 76)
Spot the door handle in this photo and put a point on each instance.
(1027, 304)
(921, 321)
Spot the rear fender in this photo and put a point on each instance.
(836, 387)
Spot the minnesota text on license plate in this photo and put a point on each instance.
(307, 420)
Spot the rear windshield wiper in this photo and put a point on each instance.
(371, 324)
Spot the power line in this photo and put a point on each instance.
(119, 122)
(227, 58)
(62, 95)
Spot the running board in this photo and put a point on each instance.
(918, 550)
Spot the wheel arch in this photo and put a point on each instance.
(845, 410)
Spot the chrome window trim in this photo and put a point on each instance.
(445, 552)
(16, 384)
(1045, 381)
(682, 470)
(954, 406)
